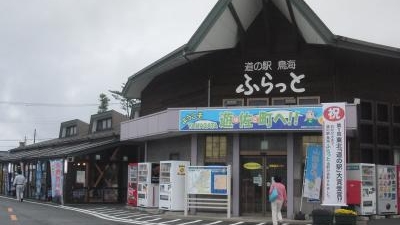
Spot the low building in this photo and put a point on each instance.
(87, 163)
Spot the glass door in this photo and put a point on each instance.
(252, 190)
(256, 173)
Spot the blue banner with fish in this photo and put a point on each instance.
(274, 118)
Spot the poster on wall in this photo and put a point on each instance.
(334, 160)
(80, 176)
(313, 172)
(56, 167)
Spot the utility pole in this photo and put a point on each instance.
(34, 136)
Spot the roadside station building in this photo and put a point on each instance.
(254, 57)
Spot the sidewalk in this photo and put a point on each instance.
(215, 216)
(361, 220)
(252, 219)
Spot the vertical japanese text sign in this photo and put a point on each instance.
(334, 144)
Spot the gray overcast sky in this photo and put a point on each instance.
(70, 51)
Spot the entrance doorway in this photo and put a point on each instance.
(256, 172)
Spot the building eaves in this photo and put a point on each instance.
(52, 152)
(367, 47)
(68, 141)
(214, 34)
(207, 25)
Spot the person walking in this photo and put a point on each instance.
(19, 183)
(277, 204)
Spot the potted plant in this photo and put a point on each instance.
(322, 217)
(345, 217)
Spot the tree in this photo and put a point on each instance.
(103, 103)
(126, 104)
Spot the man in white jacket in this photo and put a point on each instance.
(19, 183)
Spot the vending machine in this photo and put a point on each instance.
(132, 196)
(386, 186)
(148, 184)
(172, 184)
(362, 176)
(398, 189)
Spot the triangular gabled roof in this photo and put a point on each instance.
(221, 30)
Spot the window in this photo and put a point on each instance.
(366, 133)
(382, 111)
(103, 124)
(216, 148)
(366, 110)
(233, 102)
(284, 101)
(70, 131)
(174, 156)
(396, 136)
(396, 114)
(311, 100)
(383, 135)
(396, 157)
(257, 101)
(385, 156)
(367, 155)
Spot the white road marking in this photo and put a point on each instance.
(169, 221)
(196, 221)
(153, 219)
(132, 215)
(144, 217)
(119, 213)
(219, 221)
(108, 210)
(237, 223)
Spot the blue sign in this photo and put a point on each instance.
(290, 118)
(313, 172)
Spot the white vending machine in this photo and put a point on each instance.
(386, 185)
(172, 184)
(148, 179)
(362, 177)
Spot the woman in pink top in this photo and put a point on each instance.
(276, 205)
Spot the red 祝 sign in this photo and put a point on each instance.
(334, 113)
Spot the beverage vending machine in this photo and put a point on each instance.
(364, 175)
(148, 179)
(132, 196)
(172, 184)
(398, 189)
(386, 186)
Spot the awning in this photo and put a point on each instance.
(62, 151)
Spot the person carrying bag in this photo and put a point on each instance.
(277, 197)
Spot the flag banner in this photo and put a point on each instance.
(313, 172)
(57, 177)
(334, 160)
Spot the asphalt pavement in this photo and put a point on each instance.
(122, 214)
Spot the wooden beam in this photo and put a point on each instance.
(101, 174)
(268, 29)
